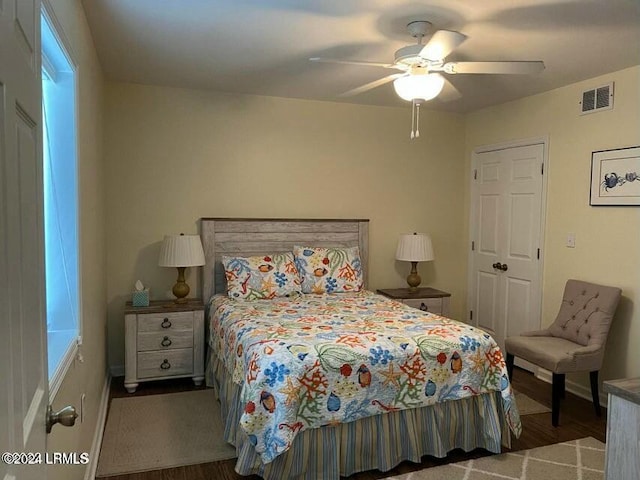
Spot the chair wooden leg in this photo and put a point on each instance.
(562, 387)
(510, 360)
(594, 392)
(556, 394)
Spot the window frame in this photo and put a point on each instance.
(73, 350)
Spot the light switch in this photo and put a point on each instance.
(571, 240)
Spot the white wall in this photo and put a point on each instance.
(607, 238)
(88, 377)
(176, 155)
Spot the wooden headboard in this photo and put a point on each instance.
(258, 236)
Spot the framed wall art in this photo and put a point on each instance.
(615, 177)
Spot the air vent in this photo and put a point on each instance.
(597, 99)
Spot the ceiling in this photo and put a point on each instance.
(262, 47)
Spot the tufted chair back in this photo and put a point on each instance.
(586, 313)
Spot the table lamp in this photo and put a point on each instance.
(414, 248)
(181, 251)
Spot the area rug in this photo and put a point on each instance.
(162, 431)
(576, 460)
(528, 406)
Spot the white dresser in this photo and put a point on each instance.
(622, 461)
(164, 340)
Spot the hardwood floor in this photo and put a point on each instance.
(577, 420)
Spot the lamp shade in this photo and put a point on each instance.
(419, 87)
(181, 251)
(414, 248)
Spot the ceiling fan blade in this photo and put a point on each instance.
(449, 92)
(521, 68)
(441, 44)
(357, 62)
(368, 86)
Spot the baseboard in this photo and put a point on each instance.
(90, 472)
(573, 387)
(117, 370)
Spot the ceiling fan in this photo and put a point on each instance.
(421, 65)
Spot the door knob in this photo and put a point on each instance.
(67, 417)
(501, 266)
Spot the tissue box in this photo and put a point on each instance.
(141, 299)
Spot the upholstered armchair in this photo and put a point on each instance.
(573, 343)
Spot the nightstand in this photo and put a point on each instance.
(426, 299)
(163, 340)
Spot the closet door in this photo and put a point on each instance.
(505, 264)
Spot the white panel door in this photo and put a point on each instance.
(24, 393)
(506, 228)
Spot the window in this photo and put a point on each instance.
(60, 177)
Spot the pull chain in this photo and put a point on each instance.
(413, 104)
(415, 119)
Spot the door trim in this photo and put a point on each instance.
(96, 444)
(544, 141)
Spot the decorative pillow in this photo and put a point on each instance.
(268, 276)
(329, 270)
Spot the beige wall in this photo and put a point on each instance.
(174, 155)
(171, 156)
(87, 377)
(607, 238)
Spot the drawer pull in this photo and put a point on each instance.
(166, 341)
(165, 365)
(165, 323)
(423, 307)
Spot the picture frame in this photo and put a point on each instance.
(615, 177)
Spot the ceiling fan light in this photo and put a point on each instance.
(419, 87)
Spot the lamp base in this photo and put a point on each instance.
(181, 289)
(413, 280)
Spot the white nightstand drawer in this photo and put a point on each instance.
(431, 305)
(164, 322)
(425, 298)
(165, 364)
(168, 340)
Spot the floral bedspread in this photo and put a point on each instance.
(314, 360)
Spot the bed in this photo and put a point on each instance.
(324, 385)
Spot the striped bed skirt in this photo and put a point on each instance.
(380, 442)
